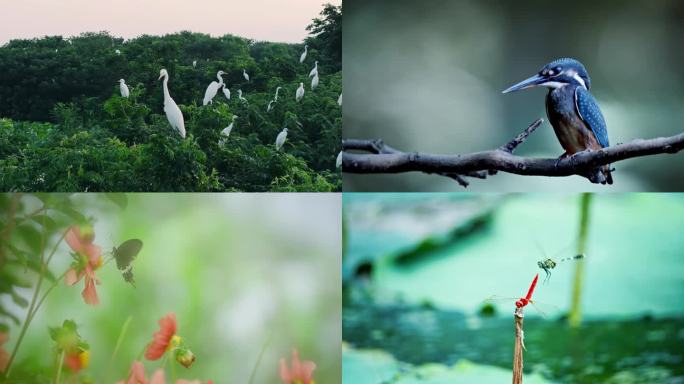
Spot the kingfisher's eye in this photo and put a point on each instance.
(550, 72)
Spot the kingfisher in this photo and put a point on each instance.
(573, 112)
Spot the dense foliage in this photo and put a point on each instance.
(65, 126)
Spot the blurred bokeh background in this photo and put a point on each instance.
(427, 76)
(418, 270)
(237, 269)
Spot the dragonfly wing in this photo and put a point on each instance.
(545, 309)
(496, 299)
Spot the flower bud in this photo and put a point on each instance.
(185, 357)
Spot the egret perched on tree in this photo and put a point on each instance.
(314, 82)
(212, 89)
(339, 100)
(245, 75)
(226, 132)
(300, 92)
(314, 71)
(270, 103)
(280, 140)
(117, 52)
(338, 162)
(303, 56)
(124, 88)
(194, 63)
(276, 95)
(226, 91)
(240, 96)
(173, 113)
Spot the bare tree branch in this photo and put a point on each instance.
(381, 158)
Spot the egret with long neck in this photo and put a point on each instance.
(173, 113)
(213, 88)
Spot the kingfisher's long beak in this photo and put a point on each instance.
(533, 81)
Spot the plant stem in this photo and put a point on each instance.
(261, 354)
(166, 358)
(518, 348)
(59, 367)
(173, 373)
(31, 313)
(575, 317)
(42, 298)
(122, 334)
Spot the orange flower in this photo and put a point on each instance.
(301, 372)
(137, 376)
(161, 340)
(77, 361)
(4, 355)
(89, 260)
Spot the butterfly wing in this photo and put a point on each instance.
(124, 255)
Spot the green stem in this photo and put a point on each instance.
(31, 313)
(166, 358)
(59, 368)
(142, 351)
(575, 317)
(173, 373)
(42, 299)
(261, 354)
(122, 334)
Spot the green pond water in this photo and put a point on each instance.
(412, 312)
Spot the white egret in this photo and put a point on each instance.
(314, 71)
(314, 82)
(338, 162)
(270, 107)
(212, 89)
(226, 132)
(194, 63)
(280, 140)
(245, 75)
(173, 113)
(300, 92)
(123, 88)
(117, 52)
(276, 95)
(303, 56)
(226, 91)
(240, 96)
(339, 100)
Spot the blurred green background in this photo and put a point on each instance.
(427, 76)
(418, 268)
(236, 269)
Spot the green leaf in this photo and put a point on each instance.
(78, 217)
(46, 222)
(22, 256)
(70, 325)
(18, 300)
(31, 236)
(3, 312)
(119, 199)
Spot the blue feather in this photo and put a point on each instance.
(589, 111)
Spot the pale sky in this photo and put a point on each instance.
(263, 20)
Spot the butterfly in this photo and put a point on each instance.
(124, 255)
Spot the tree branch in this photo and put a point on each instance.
(381, 158)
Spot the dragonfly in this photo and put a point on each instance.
(548, 264)
(522, 302)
